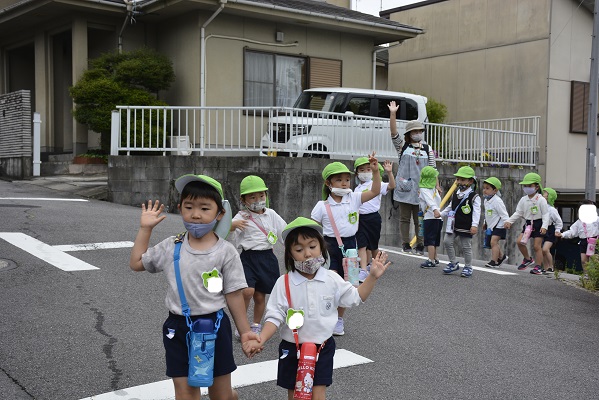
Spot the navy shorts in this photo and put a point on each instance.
(501, 232)
(432, 232)
(335, 255)
(583, 245)
(536, 228)
(369, 231)
(177, 364)
(550, 235)
(323, 375)
(261, 269)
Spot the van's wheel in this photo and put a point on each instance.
(316, 147)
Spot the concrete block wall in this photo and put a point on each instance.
(16, 135)
(294, 184)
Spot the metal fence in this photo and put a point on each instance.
(292, 132)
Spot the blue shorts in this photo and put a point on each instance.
(432, 232)
(287, 371)
(335, 255)
(177, 362)
(369, 231)
(501, 232)
(536, 228)
(261, 269)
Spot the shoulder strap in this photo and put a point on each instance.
(184, 304)
(334, 225)
(287, 291)
(404, 147)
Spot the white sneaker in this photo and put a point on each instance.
(338, 331)
(362, 275)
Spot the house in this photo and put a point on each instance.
(225, 52)
(488, 59)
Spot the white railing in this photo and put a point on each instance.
(302, 133)
(517, 124)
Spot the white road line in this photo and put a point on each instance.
(45, 252)
(483, 269)
(244, 375)
(93, 246)
(40, 199)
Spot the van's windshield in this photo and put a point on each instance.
(320, 101)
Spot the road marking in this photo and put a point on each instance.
(483, 269)
(40, 199)
(244, 375)
(93, 246)
(45, 252)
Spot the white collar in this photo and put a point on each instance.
(298, 278)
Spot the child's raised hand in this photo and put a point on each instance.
(388, 166)
(379, 264)
(240, 224)
(150, 215)
(393, 107)
(374, 163)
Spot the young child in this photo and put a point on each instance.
(533, 208)
(555, 226)
(495, 216)
(313, 296)
(583, 231)
(202, 252)
(430, 204)
(343, 205)
(256, 229)
(369, 226)
(463, 215)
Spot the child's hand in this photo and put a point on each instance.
(388, 166)
(150, 216)
(240, 224)
(379, 264)
(393, 107)
(374, 163)
(543, 231)
(436, 213)
(251, 348)
(507, 225)
(474, 230)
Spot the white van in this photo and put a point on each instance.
(341, 123)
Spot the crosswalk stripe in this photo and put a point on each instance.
(40, 199)
(93, 246)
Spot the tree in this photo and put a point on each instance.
(131, 78)
(436, 111)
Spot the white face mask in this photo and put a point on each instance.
(529, 190)
(340, 192)
(417, 137)
(365, 176)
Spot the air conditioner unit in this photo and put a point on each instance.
(181, 144)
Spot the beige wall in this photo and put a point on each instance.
(341, 3)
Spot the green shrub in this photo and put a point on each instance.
(591, 280)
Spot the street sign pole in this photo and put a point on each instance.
(591, 158)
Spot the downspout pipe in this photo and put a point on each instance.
(374, 53)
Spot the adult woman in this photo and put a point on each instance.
(413, 155)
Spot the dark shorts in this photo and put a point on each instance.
(369, 231)
(432, 232)
(335, 255)
(536, 228)
(501, 232)
(583, 245)
(261, 269)
(323, 375)
(177, 363)
(550, 235)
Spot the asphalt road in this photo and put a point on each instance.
(72, 335)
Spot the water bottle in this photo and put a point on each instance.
(526, 234)
(591, 242)
(420, 223)
(351, 266)
(201, 341)
(304, 378)
(487, 242)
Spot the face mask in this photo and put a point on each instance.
(257, 206)
(199, 230)
(417, 137)
(365, 176)
(340, 192)
(489, 197)
(529, 190)
(463, 187)
(309, 266)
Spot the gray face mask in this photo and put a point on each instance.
(309, 266)
(529, 190)
(417, 137)
(257, 206)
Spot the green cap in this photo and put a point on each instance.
(531, 178)
(428, 177)
(360, 161)
(300, 222)
(252, 184)
(332, 169)
(465, 172)
(493, 182)
(551, 196)
(182, 181)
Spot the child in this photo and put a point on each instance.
(533, 208)
(256, 229)
(316, 293)
(202, 251)
(495, 216)
(338, 215)
(463, 214)
(430, 204)
(555, 226)
(369, 227)
(583, 231)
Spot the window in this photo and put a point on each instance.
(408, 110)
(359, 106)
(579, 107)
(272, 79)
(325, 73)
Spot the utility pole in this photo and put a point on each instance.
(591, 166)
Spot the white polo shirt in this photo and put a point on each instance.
(252, 237)
(319, 298)
(373, 205)
(345, 213)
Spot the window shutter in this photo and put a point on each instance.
(324, 73)
(579, 107)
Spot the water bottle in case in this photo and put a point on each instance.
(351, 266)
(201, 341)
(591, 242)
(526, 234)
(420, 223)
(487, 242)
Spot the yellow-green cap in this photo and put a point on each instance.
(182, 181)
(301, 222)
(465, 172)
(428, 177)
(531, 178)
(363, 161)
(551, 195)
(334, 168)
(252, 184)
(494, 182)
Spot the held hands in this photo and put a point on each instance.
(507, 225)
(379, 264)
(393, 107)
(388, 166)
(543, 231)
(251, 344)
(474, 230)
(558, 234)
(436, 213)
(150, 215)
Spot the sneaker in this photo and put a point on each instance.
(536, 270)
(428, 264)
(451, 267)
(368, 267)
(362, 275)
(407, 248)
(550, 270)
(436, 262)
(525, 263)
(501, 260)
(492, 264)
(237, 335)
(338, 331)
(420, 249)
(466, 272)
(256, 328)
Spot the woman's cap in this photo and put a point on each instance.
(301, 222)
(252, 184)
(531, 178)
(493, 182)
(551, 195)
(334, 168)
(182, 181)
(428, 177)
(465, 172)
(414, 126)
